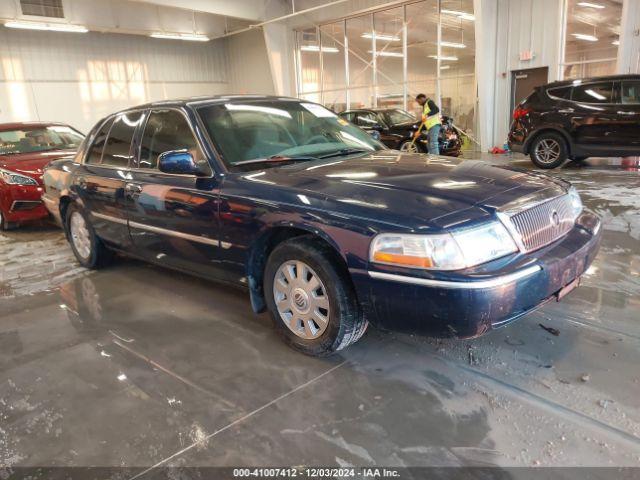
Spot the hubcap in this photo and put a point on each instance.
(80, 235)
(301, 299)
(409, 147)
(548, 151)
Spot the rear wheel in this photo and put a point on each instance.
(311, 299)
(549, 150)
(3, 223)
(87, 247)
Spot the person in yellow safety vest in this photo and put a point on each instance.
(431, 120)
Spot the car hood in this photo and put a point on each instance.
(414, 190)
(32, 164)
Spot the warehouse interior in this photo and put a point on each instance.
(141, 370)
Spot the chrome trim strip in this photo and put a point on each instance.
(466, 285)
(173, 233)
(109, 218)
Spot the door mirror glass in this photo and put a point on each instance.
(179, 162)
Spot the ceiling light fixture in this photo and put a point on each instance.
(591, 5)
(388, 54)
(316, 48)
(588, 38)
(460, 15)
(54, 27)
(615, 42)
(382, 36)
(453, 45)
(444, 57)
(190, 37)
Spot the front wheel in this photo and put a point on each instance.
(87, 247)
(410, 147)
(311, 299)
(549, 150)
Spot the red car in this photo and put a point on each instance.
(25, 148)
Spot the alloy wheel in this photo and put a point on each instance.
(409, 147)
(80, 235)
(548, 151)
(301, 299)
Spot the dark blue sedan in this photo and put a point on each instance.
(325, 227)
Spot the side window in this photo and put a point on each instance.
(631, 92)
(594, 93)
(166, 130)
(116, 151)
(95, 152)
(366, 119)
(563, 93)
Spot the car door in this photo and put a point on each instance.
(594, 118)
(173, 218)
(629, 112)
(100, 180)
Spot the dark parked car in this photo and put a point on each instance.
(318, 221)
(25, 148)
(397, 127)
(576, 119)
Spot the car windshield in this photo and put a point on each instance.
(281, 129)
(40, 139)
(398, 117)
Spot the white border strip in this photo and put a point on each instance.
(470, 284)
(173, 233)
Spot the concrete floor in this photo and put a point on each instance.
(139, 366)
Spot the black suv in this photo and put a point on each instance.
(577, 119)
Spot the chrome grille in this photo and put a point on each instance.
(544, 223)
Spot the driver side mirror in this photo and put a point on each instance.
(377, 127)
(179, 162)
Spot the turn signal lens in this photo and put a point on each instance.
(462, 248)
(576, 202)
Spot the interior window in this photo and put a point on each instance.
(593, 93)
(631, 92)
(166, 130)
(367, 119)
(95, 153)
(117, 149)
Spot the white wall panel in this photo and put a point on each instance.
(77, 78)
(249, 69)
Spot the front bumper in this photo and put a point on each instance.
(468, 306)
(22, 203)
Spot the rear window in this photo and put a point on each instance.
(95, 153)
(562, 93)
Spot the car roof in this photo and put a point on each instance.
(208, 99)
(18, 125)
(563, 83)
(376, 110)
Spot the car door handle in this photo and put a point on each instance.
(133, 188)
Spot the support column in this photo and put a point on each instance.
(278, 38)
(629, 49)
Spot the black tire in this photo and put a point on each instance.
(346, 323)
(3, 223)
(578, 159)
(99, 256)
(557, 150)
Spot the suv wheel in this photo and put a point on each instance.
(549, 150)
(87, 247)
(311, 299)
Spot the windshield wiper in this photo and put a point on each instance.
(278, 159)
(343, 152)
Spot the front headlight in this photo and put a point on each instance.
(576, 202)
(13, 178)
(456, 250)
